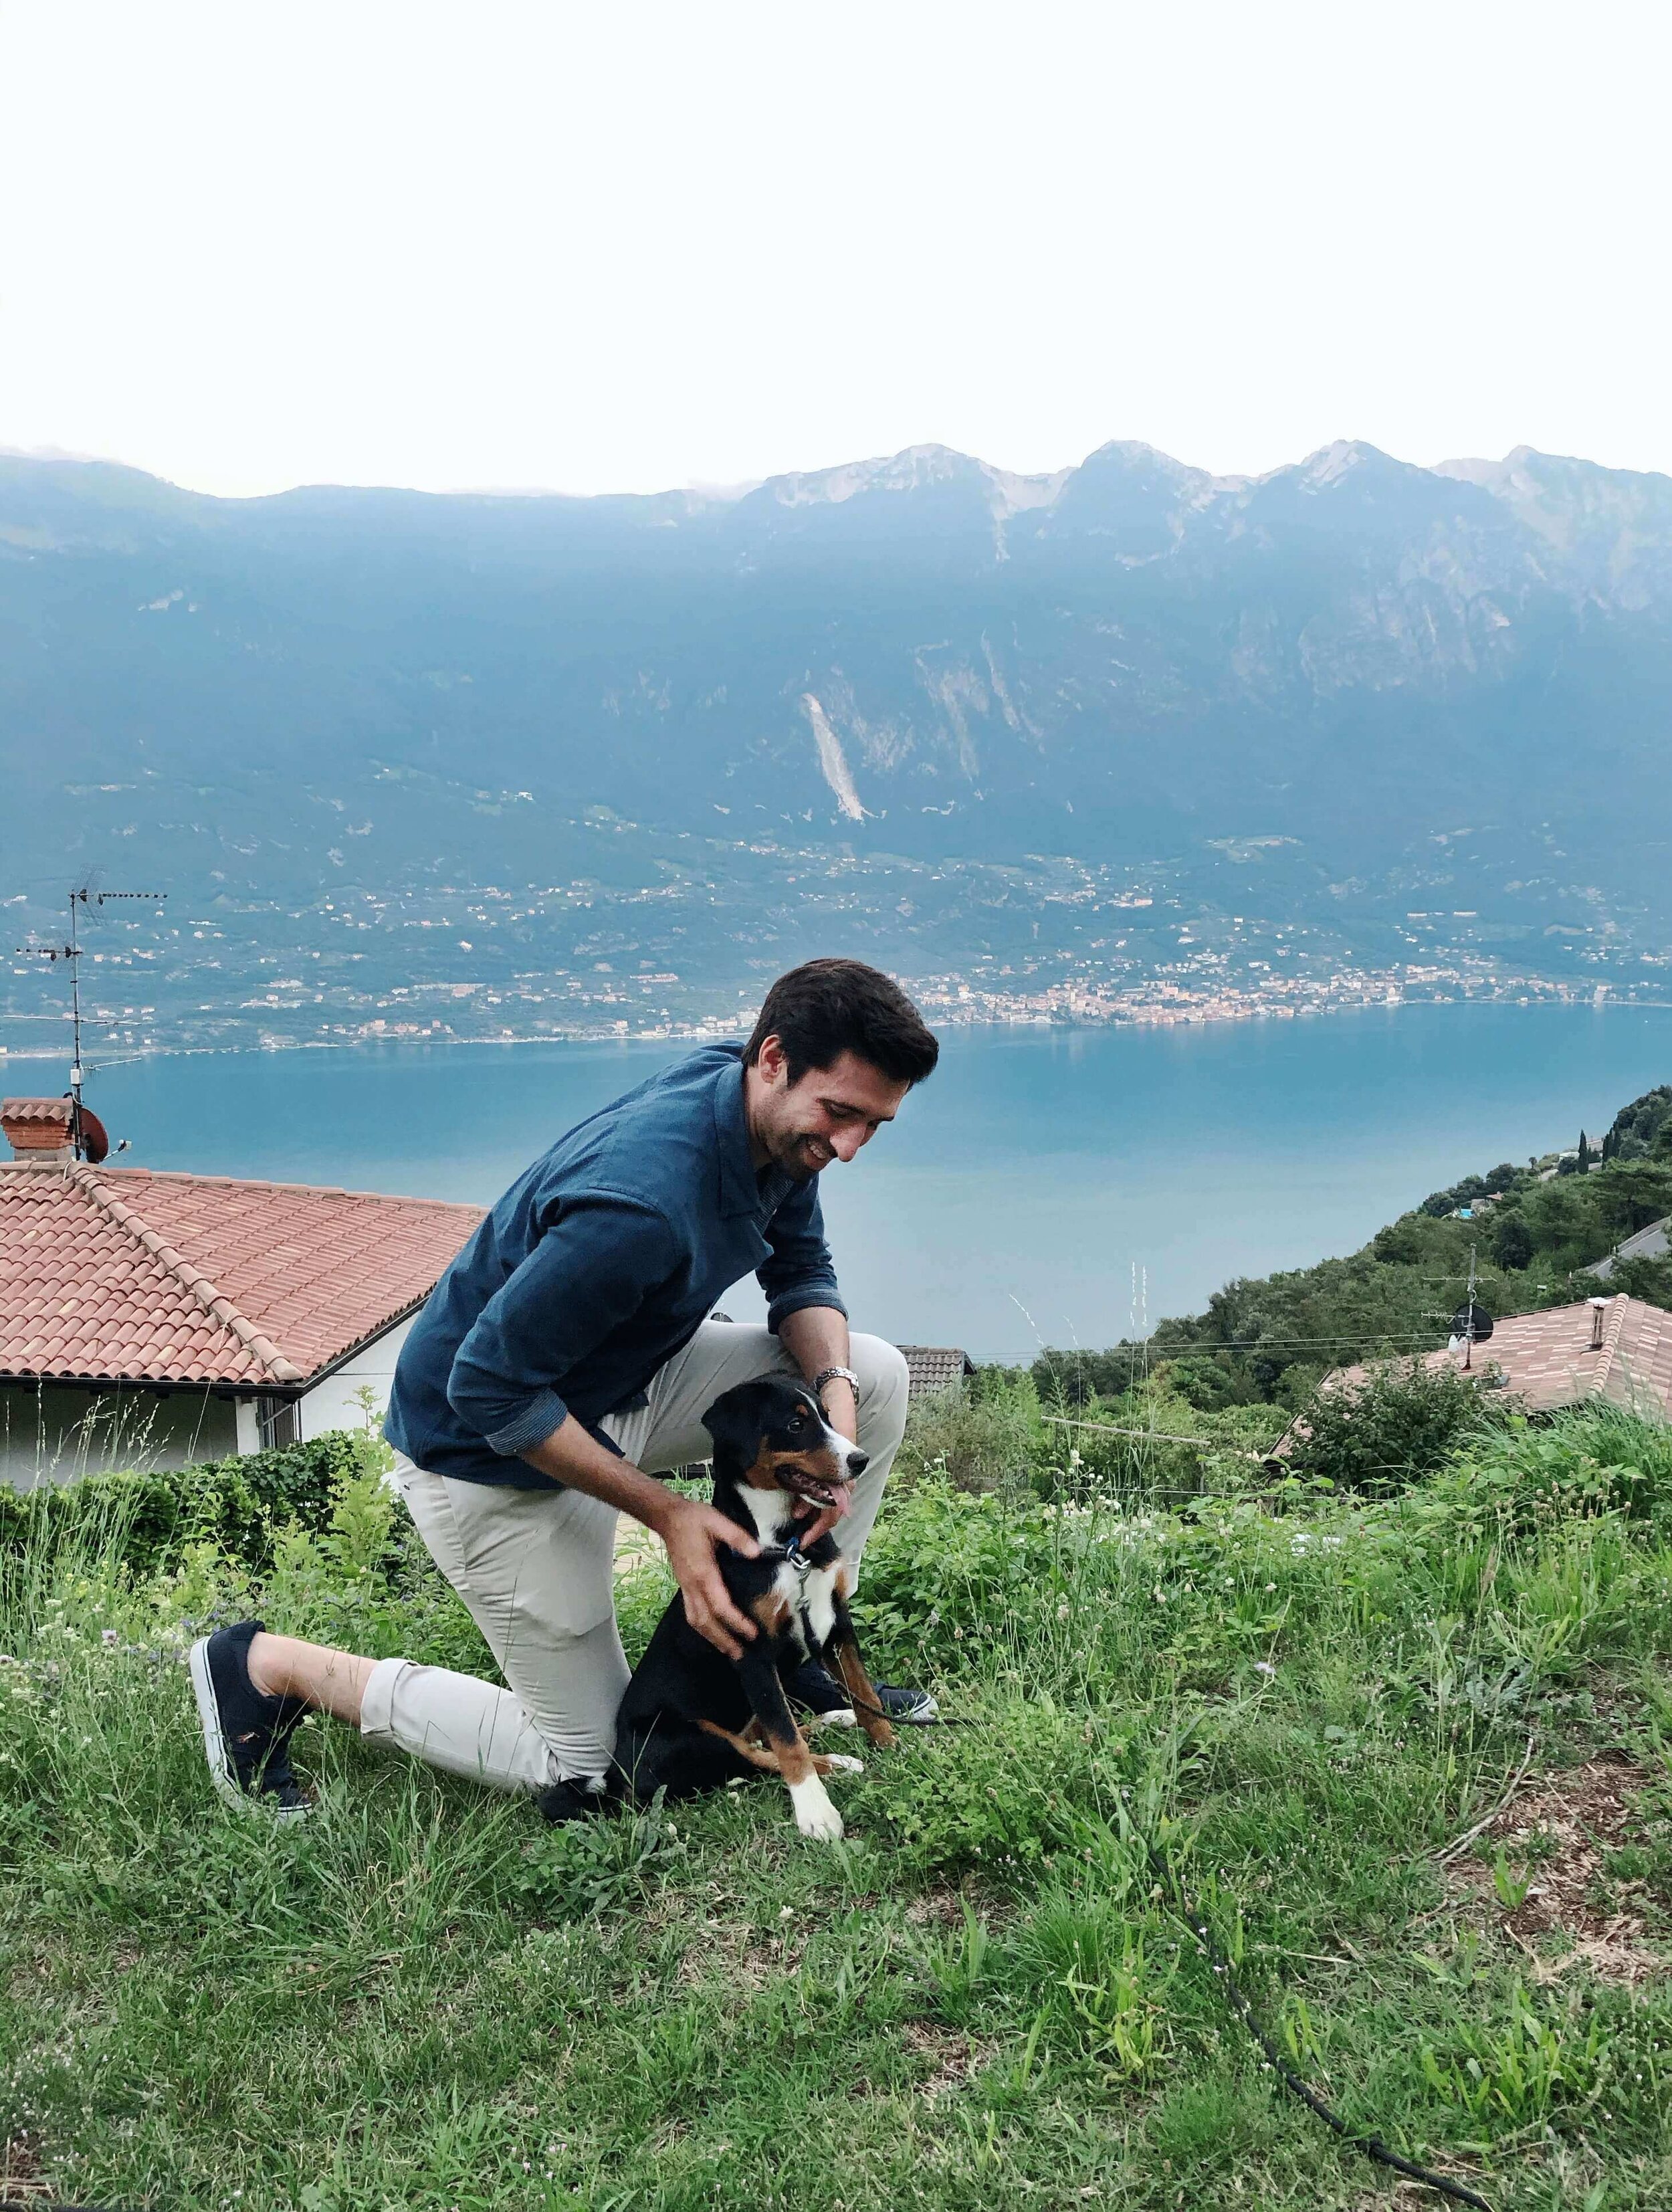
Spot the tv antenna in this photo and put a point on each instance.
(87, 1132)
(1471, 1323)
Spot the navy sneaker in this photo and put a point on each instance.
(246, 1734)
(818, 1693)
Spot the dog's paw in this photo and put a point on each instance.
(815, 1815)
(840, 1717)
(843, 1765)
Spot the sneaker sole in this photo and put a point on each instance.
(221, 1773)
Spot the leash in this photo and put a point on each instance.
(1237, 1998)
(1241, 2004)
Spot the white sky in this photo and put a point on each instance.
(624, 245)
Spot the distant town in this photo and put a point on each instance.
(689, 957)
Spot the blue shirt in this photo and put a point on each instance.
(596, 1267)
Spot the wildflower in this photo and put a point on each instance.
(1062, 1610)
(107, 1636)
(1264, 1667)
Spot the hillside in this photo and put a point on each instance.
(959, 719)
(1533, 1232)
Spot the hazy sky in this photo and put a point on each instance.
(620, 246)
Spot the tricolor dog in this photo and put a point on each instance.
(693, 1719)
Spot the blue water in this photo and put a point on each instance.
(1046, 1185)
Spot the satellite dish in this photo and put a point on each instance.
(95, 1143)
(1471, 1321)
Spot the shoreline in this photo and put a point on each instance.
(708, 1031)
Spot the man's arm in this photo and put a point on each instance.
(805, 1307)
(816, 1337)
(590, 1269)
(691, 1531)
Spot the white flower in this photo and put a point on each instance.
(1264, 1667)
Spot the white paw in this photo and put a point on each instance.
(843, 1716)
(815, 1815)
(845, 1765)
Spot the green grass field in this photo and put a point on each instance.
(426, 1998)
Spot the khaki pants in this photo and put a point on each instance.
(537, 1570)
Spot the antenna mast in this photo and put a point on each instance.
(81, 895)
(1468, 1333)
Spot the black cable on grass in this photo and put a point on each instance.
(1243, 2006)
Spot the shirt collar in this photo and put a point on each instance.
(739, 1192)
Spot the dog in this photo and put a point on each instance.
(692, 1718)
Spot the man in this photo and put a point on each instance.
(565, 1358)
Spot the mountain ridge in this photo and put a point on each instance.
(917, 660)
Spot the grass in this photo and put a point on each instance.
(424, 1999)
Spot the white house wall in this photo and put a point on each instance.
(332, 1404)
(54, 1432)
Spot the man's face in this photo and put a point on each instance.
(802, 1127)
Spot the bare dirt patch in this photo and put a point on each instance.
(950, 2056)
(731, 1952)
(1557, 1833)
(21, 2181)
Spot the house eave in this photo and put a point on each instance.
(217, 1386)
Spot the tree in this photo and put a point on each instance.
(1584, 1155)
(1512, 1244)
(1633, 1194)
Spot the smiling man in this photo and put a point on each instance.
(566, 1359)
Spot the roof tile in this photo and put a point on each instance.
(131, 1272)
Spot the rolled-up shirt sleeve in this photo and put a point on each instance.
(800, 1271)
(597, 1262)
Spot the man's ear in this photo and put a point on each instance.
(771, 1061)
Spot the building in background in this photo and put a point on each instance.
(152, 1320)
(935, 1367)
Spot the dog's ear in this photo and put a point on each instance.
(733, 1421)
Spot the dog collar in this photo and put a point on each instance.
(791, 1553)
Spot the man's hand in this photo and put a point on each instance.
(693, 1533)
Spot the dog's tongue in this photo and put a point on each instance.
(841, 1502)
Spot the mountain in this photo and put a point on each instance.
(1341, 695)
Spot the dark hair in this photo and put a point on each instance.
(826, 1007)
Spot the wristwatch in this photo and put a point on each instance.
(834, 1374)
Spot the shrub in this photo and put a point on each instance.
(147, 1521)
(1590, 1460)
(1401, 1423)
(979, 1437)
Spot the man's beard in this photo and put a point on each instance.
(803, 1156)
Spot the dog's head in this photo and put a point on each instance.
(772, 1434)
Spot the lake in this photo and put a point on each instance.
(1055, 1186)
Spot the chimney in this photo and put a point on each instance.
(38, 1130)
(1598, 1307)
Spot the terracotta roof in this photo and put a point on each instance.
(128, 1274)
(35, 1109)
(935, 1367)
(1546, 1359)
